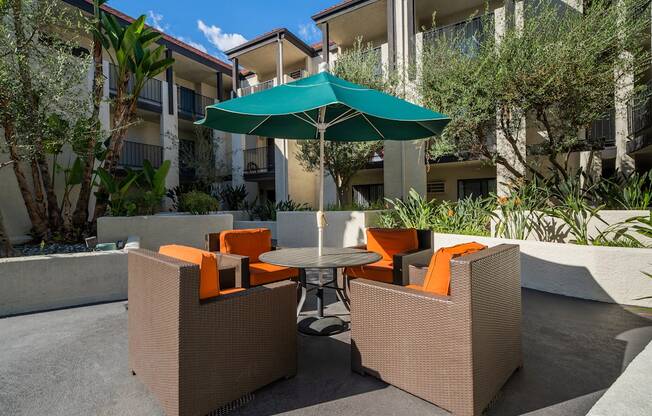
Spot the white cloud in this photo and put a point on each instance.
(192, 43)
(155, 20)
(219, 39)
(309, 32)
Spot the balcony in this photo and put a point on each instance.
(150, 97)
(639, 112)
(192, 106)
(296, 75)
(134, 154)
(470, 33)
(259, 160)
(261, 86)
(604, 129)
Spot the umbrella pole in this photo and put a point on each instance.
(321, 220)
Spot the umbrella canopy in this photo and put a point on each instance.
(326, 107)
(352, 113)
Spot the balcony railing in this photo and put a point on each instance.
(259, 160)
(261, 86)
(192, 105)
(470, 34)
(134, 154)
(150, 94)
(639, 112)
(295, 75)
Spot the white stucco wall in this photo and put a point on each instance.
(605, 274)
(36, 283)
(243, 225)
(345, 228)
(157, 230)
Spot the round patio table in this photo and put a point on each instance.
(331, 258)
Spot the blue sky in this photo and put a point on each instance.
(218, 25)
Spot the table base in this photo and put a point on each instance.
(328, 325)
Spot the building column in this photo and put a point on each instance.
(325, 45)
(219, 83)
(235, 75)
(511, 14)
(404, 166)
(624, 88)
(281, 146)
(170, 131)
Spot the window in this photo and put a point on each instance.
(475, 188)
(365, 195)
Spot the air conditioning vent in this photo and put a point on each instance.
(436, 187)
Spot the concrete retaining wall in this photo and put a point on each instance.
(240, 225)
(345, 228)
(157, 230)
(36, 283)
(605, 274)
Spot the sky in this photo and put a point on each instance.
(215, 26)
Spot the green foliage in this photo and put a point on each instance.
(152, 188)
(198, 203)
(266, 210)
(120, 205)
(233, 198)
(633, 191)
(535, 71)
(519, 213)
(467, 216)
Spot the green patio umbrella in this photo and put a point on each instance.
(324, 107)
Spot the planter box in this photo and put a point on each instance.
(555, 230)
(241, 225)
(344, 229)
(157, 230)
(605, 274)
(37, 283)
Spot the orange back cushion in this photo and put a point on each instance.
(209, 282)
(438, 277)
(251, 243)
(387, 242)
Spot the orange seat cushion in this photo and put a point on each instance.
(209, 282)
(263, 273)
(388, 242)
(380, 271)
(438, 277)
(250, 243)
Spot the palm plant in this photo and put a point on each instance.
(136, 58)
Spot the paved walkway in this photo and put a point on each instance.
(74, 362)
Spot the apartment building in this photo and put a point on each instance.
(167, 109)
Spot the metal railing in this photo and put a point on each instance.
(191, 104)
(261, 86)
(470, 33)
(639, 111)
(298, 74)
(151, 92)
(604, 129)
(259, 160)
(134, 154)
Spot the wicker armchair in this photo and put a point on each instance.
(197, 356)
(394, 269)
(454, 351)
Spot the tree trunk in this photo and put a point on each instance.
(80, 216)
(6, 249)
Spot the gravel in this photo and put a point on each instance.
(53, 248)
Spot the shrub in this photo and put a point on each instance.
(233, 198)
(198, 203)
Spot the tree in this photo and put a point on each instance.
(557, 72)
(342, 160)
(6, 249)
(133, 51)
(88, 152)
(40, 102)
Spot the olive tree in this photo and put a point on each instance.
(342, 160)
(557, 71)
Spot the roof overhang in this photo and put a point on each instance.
(340, 9)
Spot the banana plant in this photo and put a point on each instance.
(154, 182)
(117, 190)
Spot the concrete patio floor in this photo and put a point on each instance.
(74, 362)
